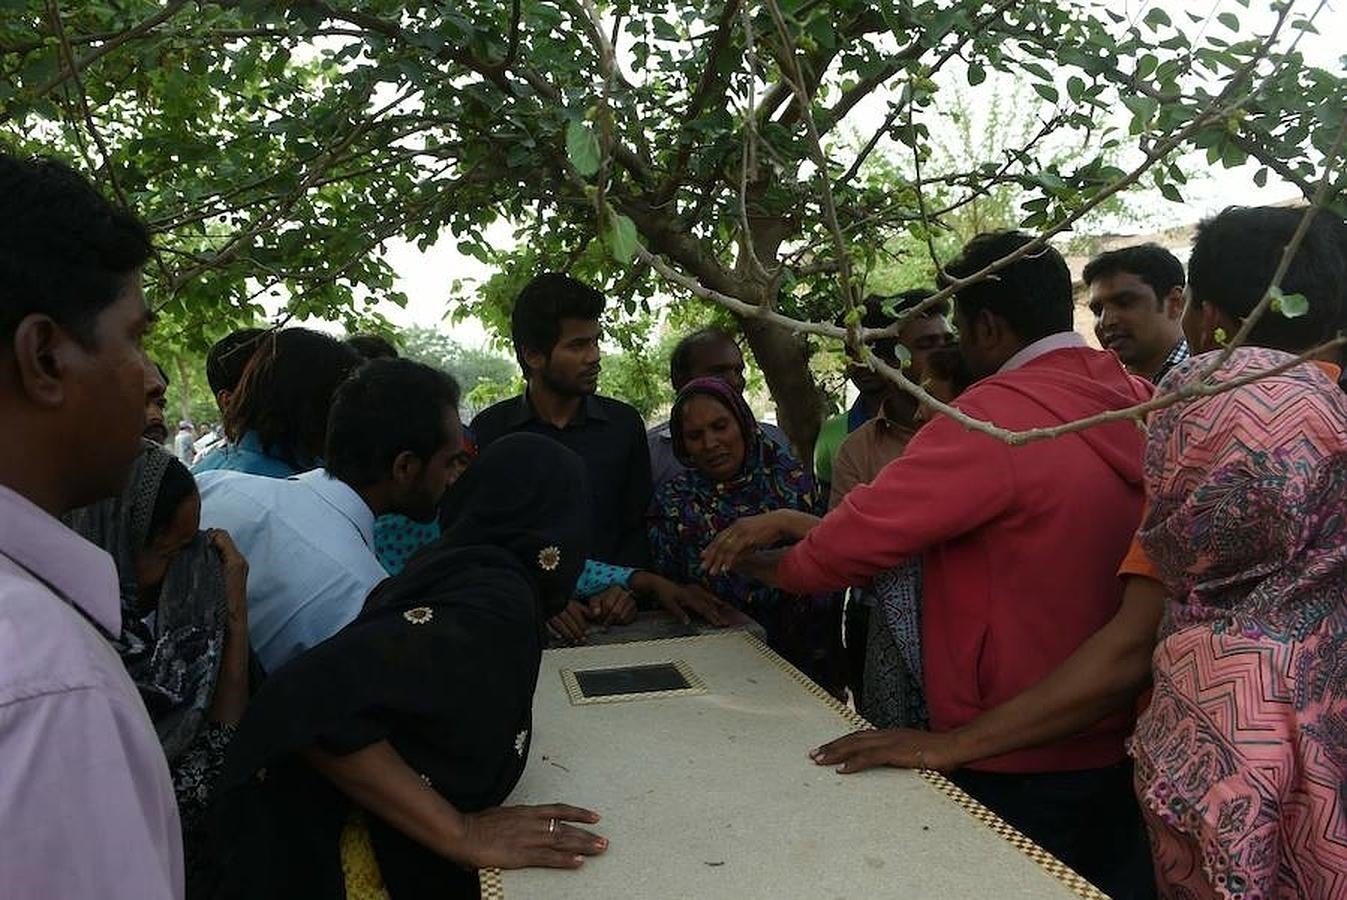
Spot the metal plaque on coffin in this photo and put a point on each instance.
(706, 790)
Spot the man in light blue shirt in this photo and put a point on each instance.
(309, 539)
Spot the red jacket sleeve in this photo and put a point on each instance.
(949, 482)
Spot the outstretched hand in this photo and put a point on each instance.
(517, 837)
(748, 535)
(902, 748)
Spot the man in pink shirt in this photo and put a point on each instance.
(86, 804)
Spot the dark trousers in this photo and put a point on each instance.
(1087, 819)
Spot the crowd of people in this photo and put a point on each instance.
(305, 667)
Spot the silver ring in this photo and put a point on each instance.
(551, 826)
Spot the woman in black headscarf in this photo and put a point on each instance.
(418, 715)
(184, 637)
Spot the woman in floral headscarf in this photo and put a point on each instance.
(1241, 757)
(734, 472)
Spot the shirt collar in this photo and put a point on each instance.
(522, 411)
(1062, 340)
(343, 498)
(1176, 356)
(83, 574)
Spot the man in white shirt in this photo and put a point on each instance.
(309, 540)
(86, 802)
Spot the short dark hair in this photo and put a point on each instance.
(949, 364)
(1236, 253)
(680, 360)
(387, 407)
(1153, 264)
(1032, 294)
(175, 487)
(286, 392)
(65, 250)
(535, 323)
(906, 300)
(229, 356)
(163, 376)
(372, 346)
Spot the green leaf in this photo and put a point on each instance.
(1075, 88)
(1293, 306)
(1229, 20)
(976, 74)
(1047, 92)
(622, 238)
(582, 146)
(1260, 177)
(1157, 18)
(1171, 193)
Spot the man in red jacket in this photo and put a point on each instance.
(1021, 547)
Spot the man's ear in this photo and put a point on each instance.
(990, 328)
(42, 356)
(1173, 304)
(1218, 328)
(536, 360)
(407, 467)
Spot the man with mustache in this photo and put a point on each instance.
(1136, 295)
(156, 404)
(555, 328)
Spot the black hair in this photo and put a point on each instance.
(680, 360)
(229, 356)
(535, 323)
(1153, 264)
(388, 407)
(286, 392)
(1236, 253)
(949, 364)
(879, 311)
(65, 251)
(175, 487)
(372, 346)
(906, 300)
(163, 376)
(1032, 294)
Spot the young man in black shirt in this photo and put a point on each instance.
(555, 329)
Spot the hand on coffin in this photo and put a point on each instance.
(682, 599)
(612, 606)
(902, 748)
(571, 623)
(516, 837)
(748, 535)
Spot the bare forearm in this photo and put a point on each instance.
(760, 566)
(380, 781)
(231, 688)
(792, 524)
(1104, 675)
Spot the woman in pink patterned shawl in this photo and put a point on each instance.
(1241, 758)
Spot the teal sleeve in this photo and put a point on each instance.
(597, 577)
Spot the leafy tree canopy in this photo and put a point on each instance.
(274, 147)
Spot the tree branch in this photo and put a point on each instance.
(75, 67)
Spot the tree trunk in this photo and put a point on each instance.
(184, 389)
(783, 357)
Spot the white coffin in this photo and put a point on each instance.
(713, 795)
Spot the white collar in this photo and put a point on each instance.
(1062, 340)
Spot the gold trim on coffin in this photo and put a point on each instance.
(493, 887)
(578, 698)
